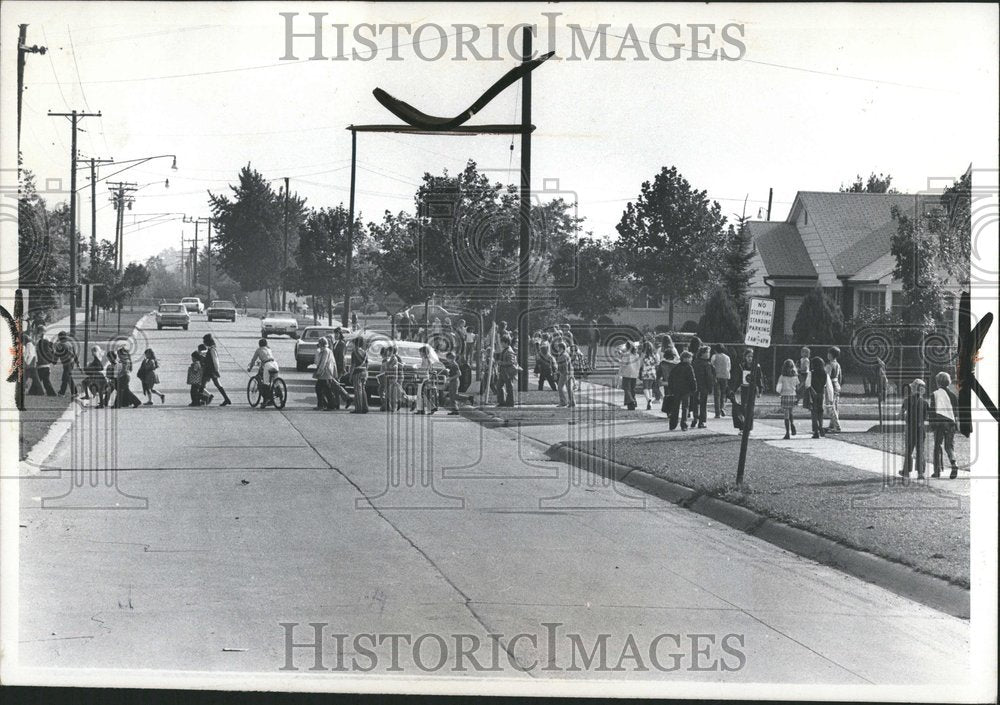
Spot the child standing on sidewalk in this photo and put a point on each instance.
(147, 375)
(943, 415)
(787, 388)
(915, 409)
(704, 374)
(579, 365)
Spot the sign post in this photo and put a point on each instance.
(393, 304)
(760, 318)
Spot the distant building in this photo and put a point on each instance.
(839, 241)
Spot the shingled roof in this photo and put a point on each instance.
(854, 228)
(781, 250)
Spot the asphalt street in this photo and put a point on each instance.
(210, 527)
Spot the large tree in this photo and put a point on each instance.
(672, 238)
(876, 183)
(249, 232)
(322, 252)
(43, 248)
(589, 277)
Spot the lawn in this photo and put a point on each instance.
(916, 524)
(891, 441)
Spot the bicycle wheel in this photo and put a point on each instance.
(279, 393)
(253, 392)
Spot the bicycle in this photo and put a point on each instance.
(279, 390)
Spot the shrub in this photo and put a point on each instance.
(819, 320)
(721, 321)
(689, 327)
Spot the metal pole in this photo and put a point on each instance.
(86, 323)
(747, 419)
(194, 266)
(93, 228)
(208, 256)
(524, 246)
(284, 254)
(72, 228)
(346, 313)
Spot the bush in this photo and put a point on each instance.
(819, 320)
(721, 321)
(689, 327)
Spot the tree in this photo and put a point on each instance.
(249, 232)
(672, 237)
(134, 278)
(874, 184)
(322, 250)
(396, 241)
(953, 229)
(589, 277)
(43, 248)
(736, 272)
(721, 322)
(819, 320)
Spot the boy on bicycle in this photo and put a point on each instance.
(265, 358)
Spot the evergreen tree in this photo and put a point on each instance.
(736, 271)
(721, 322)
(819, 320)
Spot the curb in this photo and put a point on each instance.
(895, 577)
(41, 451)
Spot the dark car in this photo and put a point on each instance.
(409, 354)
(222, 310)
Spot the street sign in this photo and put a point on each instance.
(760, 318)
(393, 303)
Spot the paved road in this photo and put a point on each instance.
(245, 519)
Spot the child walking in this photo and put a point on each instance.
(943, 416)
(147, 375)
(915, 410)
(194, 373)
(788, 390)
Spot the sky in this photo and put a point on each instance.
(816, 94)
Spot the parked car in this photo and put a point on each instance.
(433, 311)
(305, 346)
(409, 355)
(193, 304)
(278, 323)
(172, 315)
(223, 310)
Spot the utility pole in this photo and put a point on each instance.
(74, 117)
(284, 256)
(122, 198)
(345, 316)
(22, 49)
(91, 309)
(208, 274)
(770, 195)
(524, 245)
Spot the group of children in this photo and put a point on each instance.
(109, 373)
(561, 365)
(816, 384)
(940, 414)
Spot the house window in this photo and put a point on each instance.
(871, 302)
(647, 300)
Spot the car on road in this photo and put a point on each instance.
(193, 304)
(222, 310)
(409, 355)
(278, 323)
(433, 311)
(305, 346)
(172, 315)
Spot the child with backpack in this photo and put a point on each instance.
(788, 389)
(148, 378)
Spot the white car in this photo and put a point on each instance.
(172, 315)
(278, 323)
(193, 304)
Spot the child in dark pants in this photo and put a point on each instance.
(196, 381)
(705, 376)
(816, 390)
(683, 385)
(943, 416)
(915, 409)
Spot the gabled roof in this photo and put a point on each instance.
(781, 250)
(854, 228)
(882, 267)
